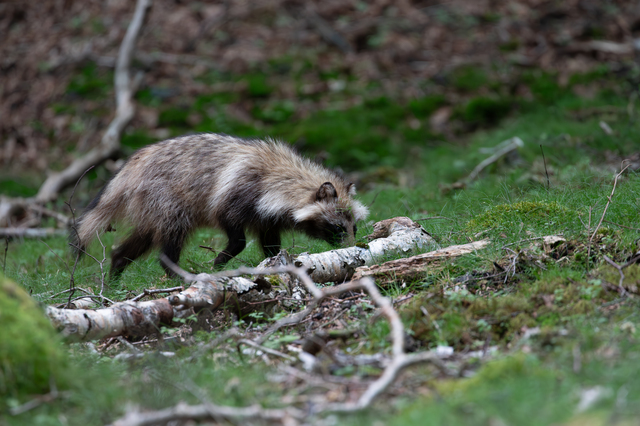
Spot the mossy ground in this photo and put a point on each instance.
(491, 298)
(32, 357)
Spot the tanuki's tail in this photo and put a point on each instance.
(98, 215)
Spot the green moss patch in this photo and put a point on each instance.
(31, 355)
(539, 215)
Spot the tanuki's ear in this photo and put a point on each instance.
(326, 192)
(351, 189)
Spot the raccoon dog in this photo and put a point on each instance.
(167, 190)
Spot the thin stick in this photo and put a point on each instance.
(545, 168)
(621, 289)
(622, 226)
(264, 349)
(606, 207)
(6, 248)
(514, 144)
(523, 241)
(147, 292)
(104, 259)
(631, 262)
(72, 283)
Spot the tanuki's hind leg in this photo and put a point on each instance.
(172, 247)
(237, 243)
(270, 242)
(132, 248)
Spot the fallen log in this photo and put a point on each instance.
(31, 232)
(412, 266)
(396, 236)
(137, 319)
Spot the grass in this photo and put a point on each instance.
(586, 334)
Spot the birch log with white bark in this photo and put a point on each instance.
(143, 318)
(391, 237)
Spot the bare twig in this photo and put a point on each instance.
(62, 219)
(621, 288)
(602, 46)
(432, 217)
(147, 292)
(6, 249)
(545, 238)
(232, 332)
(70, 289)
(606, 128)
(631, 262)
(128, 345)
(39, 400)
(398, 362)
(265, 349)
(72, 283)
(545, 168)
(622, 226)
(512, 145)
(606, 207)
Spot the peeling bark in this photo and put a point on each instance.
(411, 266)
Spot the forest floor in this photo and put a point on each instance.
(407, 104)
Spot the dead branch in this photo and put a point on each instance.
(411, 266)
(264, 349)
(39, 400)
(207, 411)
(125, 87)
(31, 232)
(63, 220)
(147, 292)
(505, 148)
(606, 207)
(604, 46)
(621, 288)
